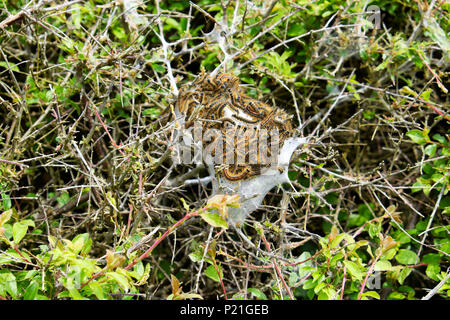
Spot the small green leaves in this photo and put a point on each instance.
(97, 290)
(8, 284)
(430, 150)
(355, 270)
(217, 213)
(370, 294)
(418, 136)
(177, 292)
(9, 66)
(63, 199)
(31, 291)
(212, 273)
(405, 256)
(422, 184)
(20, 229)
(153, 113)
(158, 68)
(403, 274)
(434, 171)
(214, 219)
(279, 64)
(82, 244)
(121, 278)
(5, 216)
(6, 202)
(113, 261)
(383, 265)
(257, 293)
(433, 271)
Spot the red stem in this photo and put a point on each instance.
(343, 282)
(220, 279)
(277, 269)
(107, 132)
(20, 254)
(158, 241)
(369, 272)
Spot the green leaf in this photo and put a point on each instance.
(214, 219)
(337, 240)
(82, 244)
(170, 23)
(433, 271)
(67, 45)
(153, 113)
(422, 185)
(158, 68)
(97, 290)
(320, 286)
(426, 94)
(408, 290)
(405, 256)
(309, 284)
(5, 216)
(11, 66)
(257, 293)
(211, 272)
(144, 276)
(336, 258)
(431, 258)
(430, 150)
(19, 231)
(63, 199)
(323, 295)
(439, 138)
(30, 274)
(196, 256)
(120, 279)
(403, 274)
(31, 291)
(417, 136)
(355, 270)
(73, 292)
(76, 16)
(395, 296)
(371, 294)
(7, 204)
(28, 222)
(8, 282)
(382, 265)
(374, 229)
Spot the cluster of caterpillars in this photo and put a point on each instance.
(220, 103)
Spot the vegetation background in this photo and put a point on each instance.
(92, 206)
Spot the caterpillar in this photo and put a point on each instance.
(236, 176)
